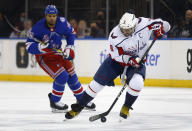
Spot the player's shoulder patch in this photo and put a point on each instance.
(143, 20)
(62, 19)
(139, 20)
(113, 36)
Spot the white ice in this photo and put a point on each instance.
(25, 107)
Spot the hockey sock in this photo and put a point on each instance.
(85, 99)
(75, 86)
(129, 100)
(59, 86)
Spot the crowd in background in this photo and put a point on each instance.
(20, 29)
(96, 28)
(181, 28)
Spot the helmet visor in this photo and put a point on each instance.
(127, 32)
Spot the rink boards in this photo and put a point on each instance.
(169, 63)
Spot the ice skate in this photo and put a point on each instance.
(90, 106)
(75, 110)
(57, 107)
(124, 113)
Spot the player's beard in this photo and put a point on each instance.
(51, 23)
(127, 32)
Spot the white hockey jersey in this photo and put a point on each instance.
(135, 44)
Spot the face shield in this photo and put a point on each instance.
(127, 32)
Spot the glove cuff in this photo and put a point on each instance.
(70, 47)
(69, 51)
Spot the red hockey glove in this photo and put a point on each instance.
(69, 52)
(134, 61)
(159, 32)
(131, 61)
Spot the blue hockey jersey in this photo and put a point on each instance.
(40, 31)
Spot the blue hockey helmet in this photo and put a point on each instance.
(51, 9)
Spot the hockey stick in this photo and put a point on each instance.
(102, 115)
(46, 42)
(123, 75)
(9, 23)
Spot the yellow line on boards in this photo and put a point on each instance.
(87, 80)
(25, 78)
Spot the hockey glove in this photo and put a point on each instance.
(43, 46)
(159, 32)
(69, 52)
(132, 61)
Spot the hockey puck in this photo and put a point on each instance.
(103, 119)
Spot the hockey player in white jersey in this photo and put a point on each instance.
(128, 42)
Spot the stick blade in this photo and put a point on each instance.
(94, 118)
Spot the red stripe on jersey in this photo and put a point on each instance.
(111, 47)
(78, 91)
(57, 93)
(73, 32)
(134, 89)
(91, 89)
(120, 50)
(150, 26)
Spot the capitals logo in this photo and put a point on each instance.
(131, 51)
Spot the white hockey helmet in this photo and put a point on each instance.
(127, 23)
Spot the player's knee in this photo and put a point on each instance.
(94, 88)
(135, 85)
(69, 67)
(62, 78)
(71, 71)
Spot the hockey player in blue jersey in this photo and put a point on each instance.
(44, 41)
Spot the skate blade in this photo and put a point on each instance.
(121, 119)
(65, 119)
(58, 111)
(88, 109)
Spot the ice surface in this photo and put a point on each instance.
(25, 107)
